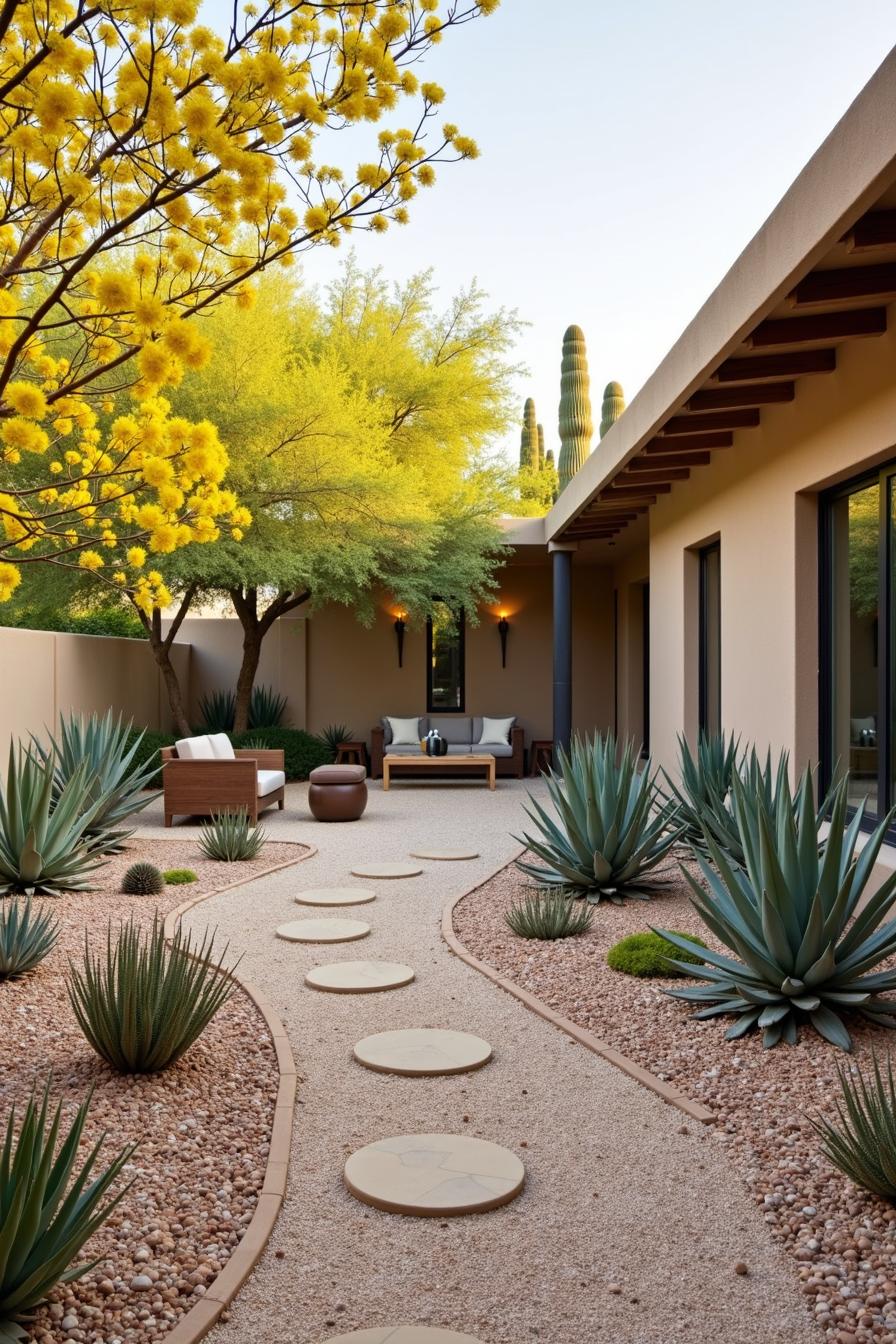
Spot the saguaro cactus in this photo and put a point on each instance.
(574, 420)
(529, 437)
(612, 407)
(540, 429)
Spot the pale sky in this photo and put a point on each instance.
(629, 152)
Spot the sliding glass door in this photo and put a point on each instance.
(859, 639)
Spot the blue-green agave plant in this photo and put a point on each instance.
(612, 826)
(804, 953)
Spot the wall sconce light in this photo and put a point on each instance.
(503, 628)
(399, 636)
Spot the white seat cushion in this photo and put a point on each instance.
(269, 780)
(195, 749)
(222, 747)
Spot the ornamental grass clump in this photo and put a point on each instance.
(229, 838)
(46, 1212)
(26, 937)
(863, 1144)
(144, 1003)
(548, 915)
(803, 951)
(612, 826)
(648, 954)
(45, 845)
(118, 777)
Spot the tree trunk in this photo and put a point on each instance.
(255, 627)
(161, 651)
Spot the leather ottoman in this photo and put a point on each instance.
(337, 792)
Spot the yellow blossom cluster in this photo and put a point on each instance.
(151, 168)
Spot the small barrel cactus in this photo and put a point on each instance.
(574, 418)
(143, 879)
(612, 407)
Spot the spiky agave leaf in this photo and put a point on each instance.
(145, 1003)
(611, 828)
(266, 707)
(863, 1144)
(705, 780)
(786, 916)
(109, 751)
(548, 915)
(46, 1213)
(45, 843)
(218, 709)
(26, 937)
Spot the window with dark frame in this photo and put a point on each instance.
(445, 689)
(710, 640)
(857, 624)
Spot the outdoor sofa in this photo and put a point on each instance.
(462, 732)
(202, 775)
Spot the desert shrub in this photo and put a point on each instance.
(611, 829)
(863, 1144)
(144, 1003)
(46, 1213)
(143, 879)
(217, 709)
(649, 953)
(229, 838)
(266, 707)
(26, 937)
(548, 915)
(333, 735)
(301, 751)
(179, 877)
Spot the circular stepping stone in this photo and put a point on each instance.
(387, 870)
(323, 930)
(359, 977)
(434, 1175)
(336, 896)
(403, 1334)
(445, 855)
(423, 1050)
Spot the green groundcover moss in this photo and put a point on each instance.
(179, 877)
(645, 954)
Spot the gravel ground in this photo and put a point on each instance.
(841, 1238)
(203, 1126)
(631, 1223)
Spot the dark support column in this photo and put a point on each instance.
(562, 565)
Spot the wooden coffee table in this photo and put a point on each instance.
(391, 764)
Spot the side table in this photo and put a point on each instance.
(354, 752)
(541, 755)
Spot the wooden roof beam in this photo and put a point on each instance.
(876, 229)
(851, 282)
(793, 364)
(648, 478)
(690, 424)
(747, 394)
(684, 442)
(663, 460)
(647, 493)
(819, 327)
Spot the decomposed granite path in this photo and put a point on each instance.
(631, 1221)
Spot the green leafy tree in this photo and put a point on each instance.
(358, 429)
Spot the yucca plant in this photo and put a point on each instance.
(705, 781)
(144, 1003)
(217, 709)
(334, 735)
(45, 843)
(266, 707)
(612, 827)
(46, 1212)
(26, 937)
(863, 1145)
(229, 838)
(548, 915)
(118, 780)
(804, 951)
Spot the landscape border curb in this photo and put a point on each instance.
(665, 1091)
(197, 1322)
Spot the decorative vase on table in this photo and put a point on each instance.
(434, 744)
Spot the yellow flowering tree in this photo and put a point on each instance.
(152, 167)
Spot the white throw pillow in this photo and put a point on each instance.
(195, 749)
(495, 730)
(222, 747)
(405, 732)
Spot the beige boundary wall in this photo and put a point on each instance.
(45, 674)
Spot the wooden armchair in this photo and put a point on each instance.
(252, 778)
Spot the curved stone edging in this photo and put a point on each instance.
(200, 1318)
(692, 1109)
